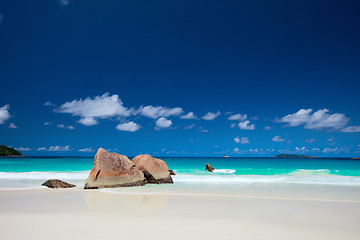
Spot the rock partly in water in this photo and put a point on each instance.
(56, 183)
(171, 172)
(155, 170)
(113, 170)
(209, 168)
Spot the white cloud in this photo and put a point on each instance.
(65, 127)
(331, 141)
(330, 150)
(246, 125)
(48, 104)
(316, 149)
(253, 151)
(239, 117)
(86, 150)
(301, 150)
(318, 120)
(268, 128)
(128, 127)
(47, 123)
(89, 109)
(243, 140)
(12, 125)
(204, 130)
(162, 123)
(351, 129)
(64, 2)
(190, 126)
(211, 116)
(4, 113)
(310, 140)
(55, 149)
(58, 148)
(88, 121)
(278, 139)
(233, 125)
(190, 115)
(23, 149)
(156, 112)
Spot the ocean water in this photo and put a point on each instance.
(320, 177)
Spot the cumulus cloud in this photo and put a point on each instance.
(64, 2)
(278, 139)
(301, 150)
(128, 127)
(320, 119)
(4, 113)
(65, 127)
(245, 125)
(268, 128)
(310, 140)
(47, 123)
(86, 150)
(23, 149)
(253, 151)
(211, 116)
(90, 109)
(55, 149)
(88, 121)
(190, 115)
(243, 140)
(330, 150)
(162, 123)
(238, 117)
(12, 125)
(190, 126)
(156, 112)
(351, 129)
(48, 104)
(331, 141)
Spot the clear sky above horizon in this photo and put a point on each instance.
(180, 78)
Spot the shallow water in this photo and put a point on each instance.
(272, 177)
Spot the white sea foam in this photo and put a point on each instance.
(307, 172)
(44, 175)
(33, 180)
(29, 180)
(249, 179)
(225, 171)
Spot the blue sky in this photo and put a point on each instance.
(188, 78)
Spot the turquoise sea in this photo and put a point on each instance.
(30, 172)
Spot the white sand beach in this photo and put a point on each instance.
(94, 214)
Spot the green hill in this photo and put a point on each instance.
(8, 151)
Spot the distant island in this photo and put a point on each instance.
(9, 152)
(293, 156)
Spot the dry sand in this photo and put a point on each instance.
(79, 214)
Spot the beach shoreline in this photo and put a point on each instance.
(77, 213)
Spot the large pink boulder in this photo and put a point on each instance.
(113, 170)
(155, 170)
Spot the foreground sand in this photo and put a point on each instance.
(79, 214)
